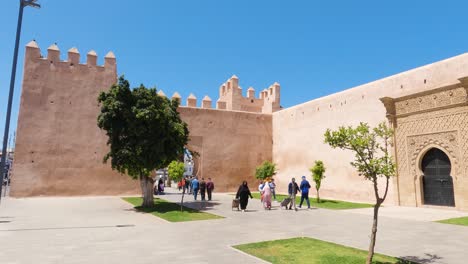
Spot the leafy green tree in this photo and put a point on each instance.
(176, 171)
(318, 171)
(266, 170)
(144, 132)
(372, 160)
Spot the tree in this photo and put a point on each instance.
(372, 160)
(266, 170)
(176, 172)
(144, 132)
(318, 171)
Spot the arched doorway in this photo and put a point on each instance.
(437, 182)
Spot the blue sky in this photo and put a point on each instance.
(312, 48)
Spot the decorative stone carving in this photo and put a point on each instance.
(440, 98)
(436, 118)
(446, 141)
(451, 137)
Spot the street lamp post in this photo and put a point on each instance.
(23, 4)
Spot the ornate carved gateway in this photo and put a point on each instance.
(431, 146)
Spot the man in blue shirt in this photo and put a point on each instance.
(195, 187)
(305, 186)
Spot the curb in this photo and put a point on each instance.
(251, 256)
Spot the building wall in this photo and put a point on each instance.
(298, 131)
(231, 144)
(59, 148)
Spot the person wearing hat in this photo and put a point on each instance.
(305, 186)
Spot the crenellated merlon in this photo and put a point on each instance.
(192, 101)
(33, 53)
(206, 102)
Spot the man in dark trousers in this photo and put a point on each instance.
(292, 190)
(305, 186)
(195, 187)
(209, 188)
(202, 189)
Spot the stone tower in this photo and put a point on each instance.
(268, 102)
(59, 147)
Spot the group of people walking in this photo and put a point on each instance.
(192, 185)
(293, 189)
(267, 191)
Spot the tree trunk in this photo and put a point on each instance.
(168, 181)
(146, 185)
(182, 200)
(318, 196)
(370, 255)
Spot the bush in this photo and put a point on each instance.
(318, 171)
(266, 170)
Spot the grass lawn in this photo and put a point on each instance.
(324, 203)
(456, 221)
(311, 251)
(171, 211)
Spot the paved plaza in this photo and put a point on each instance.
(108, 230)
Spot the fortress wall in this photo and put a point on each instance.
(251, 105)
(231, 144)
(298, 131)
(59, 147)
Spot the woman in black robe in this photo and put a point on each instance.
(243, 195)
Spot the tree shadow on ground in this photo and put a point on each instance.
(427, 259)
(323, 201)
(200, 205)
(169, 193)
(162, 206)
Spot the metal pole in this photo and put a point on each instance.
(10, 96)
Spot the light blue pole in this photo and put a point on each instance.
(23, 3)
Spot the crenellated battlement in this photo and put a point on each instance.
(192, 101)
(33, 54)
(231, 93)
(231, 98)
